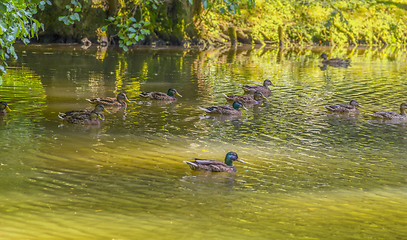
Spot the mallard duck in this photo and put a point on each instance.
(226, 110)
(391, 115)
(214, 165)
(120, 101)
(345, 107)
(4, 108)
(99, 108)
(91, 118)
(334, 61)
(255, 99)
(170, 96)
(263, 89)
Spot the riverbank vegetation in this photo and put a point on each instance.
(204, 23)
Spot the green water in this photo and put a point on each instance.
(308, 174)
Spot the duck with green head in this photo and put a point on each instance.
(120, 101)
(225, 110)
(391, 115)
(170, 96)
(92, 118)
(214, 165)
(248, 99)
(345, 108)
(4, 108)
(251, 89)
(99, 108)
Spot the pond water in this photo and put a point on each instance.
(308, 174)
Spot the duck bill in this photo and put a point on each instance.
(127, 100)
(272, 84)
(179, 95)
(240, 160)
(243, 107)
(104, 110)
(262, 96)
(360, 106)
(101, 118)
(8, 109)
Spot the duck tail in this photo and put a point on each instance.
(227, 97)
(192, 165)
(143, 94)
(329, 108)
(205, 109)
(62, 115)
(93, 101)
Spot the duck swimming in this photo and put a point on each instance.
(99, 108)
(255, 99)
(350, 108)
(391, 115)
(170, 96)
(334, 61)
(225, 110)
(91, 118)
(120, 101)
(214, 165)
(263, 89)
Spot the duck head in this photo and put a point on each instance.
(172, 92)
(230, 157)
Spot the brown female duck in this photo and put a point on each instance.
(120, 101)
(248, 99)
(91, 118)
(4, 108)
(391, 115)
(350, 108)
(225, 110)
(170, 96)
(263, 89)
(214, 165)
(99, 108)
(334, 61)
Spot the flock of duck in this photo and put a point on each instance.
(254, 94)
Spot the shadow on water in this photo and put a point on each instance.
(308, 173)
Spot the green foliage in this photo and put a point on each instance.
(17, 22)
(74, 9)
(130, 30)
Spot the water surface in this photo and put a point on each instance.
(308, 174)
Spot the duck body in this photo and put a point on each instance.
(214, 165)
(225, 110)
(334, 61)
(120, 101)
(391, 115)
(345, 108)
(170, 96)
(248, 99)
(91, 118)
(4, 108)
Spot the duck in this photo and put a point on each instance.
(251, 89)
(4, 108)
(334, 61)
(99, 108)
(391, 115)
(120, 101)
(225, 110)
(170, 96)
(214, 165)
(350, 108)
(91, 118)
(248, 99)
